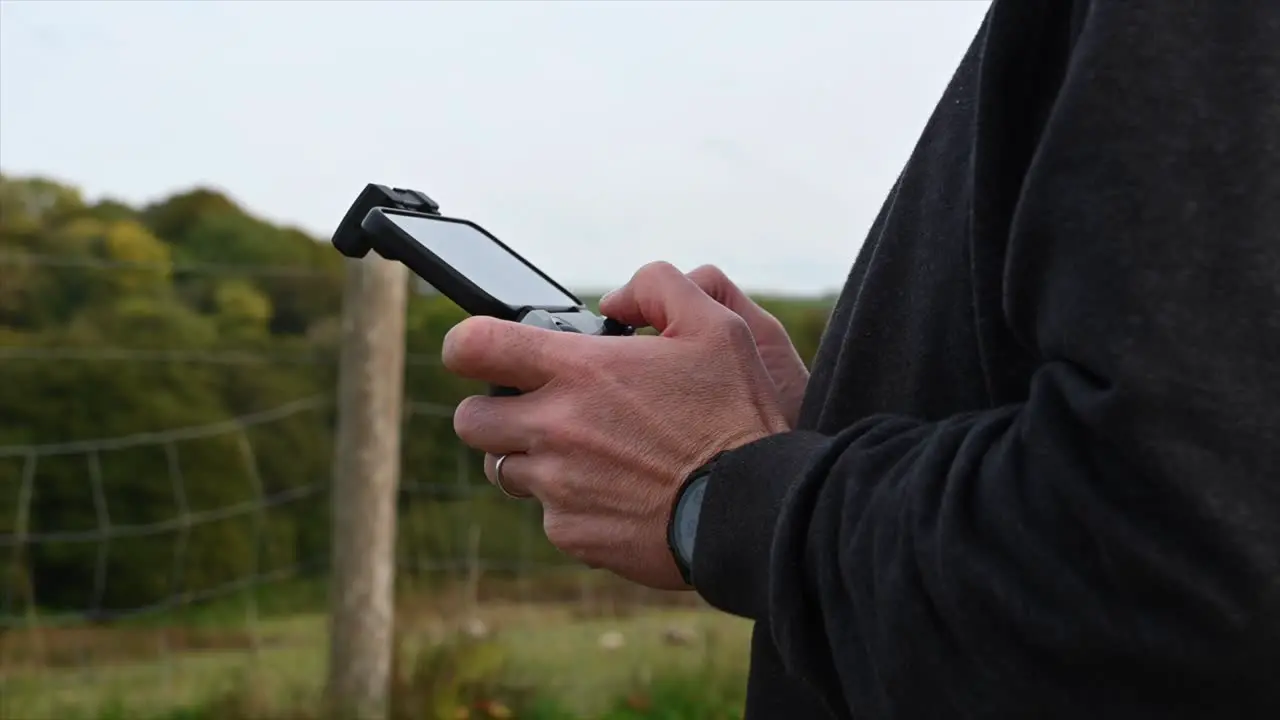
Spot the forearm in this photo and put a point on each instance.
(1006, 556)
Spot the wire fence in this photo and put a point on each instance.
(46, 653)
(164, 607)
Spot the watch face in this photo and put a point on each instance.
(687, 518)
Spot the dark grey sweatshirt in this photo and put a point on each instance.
(1037, 473)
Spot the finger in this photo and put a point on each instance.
(715, 283)
(501, 352)
(508, 483)
(764, 325)
(523, 475)
(661, 297)
(496, 424)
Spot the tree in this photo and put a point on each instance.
(243, 312)
(127, 317)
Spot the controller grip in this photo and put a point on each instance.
(608, 327)
(613, 328)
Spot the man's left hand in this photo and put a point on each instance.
(608, 428)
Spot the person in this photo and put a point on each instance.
(1035, 470)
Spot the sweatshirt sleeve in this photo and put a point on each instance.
(1113, 541)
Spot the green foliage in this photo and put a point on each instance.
(117, 321)
(462, 678)
(449, 679)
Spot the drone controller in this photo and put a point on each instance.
(586, 322)
(464, 262)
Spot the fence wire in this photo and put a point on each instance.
(467, 558)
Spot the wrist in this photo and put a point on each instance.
(686, 511)
(744, 498)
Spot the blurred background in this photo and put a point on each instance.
(170, 173)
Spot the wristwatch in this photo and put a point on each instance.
(682, 530)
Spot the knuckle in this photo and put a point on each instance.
(540, 472)
(709, 275)
(732, 326)
(564, 435)
(654, 271)
(559, 426)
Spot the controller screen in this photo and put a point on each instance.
(482, 261)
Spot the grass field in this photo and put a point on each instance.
(584, 658)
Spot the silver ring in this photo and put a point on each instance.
(497, 478)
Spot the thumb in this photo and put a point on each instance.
(661, 297)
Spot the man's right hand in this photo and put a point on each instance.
(786, 369)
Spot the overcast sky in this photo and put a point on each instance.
(591, 136)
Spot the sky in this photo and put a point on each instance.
(592, 137)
